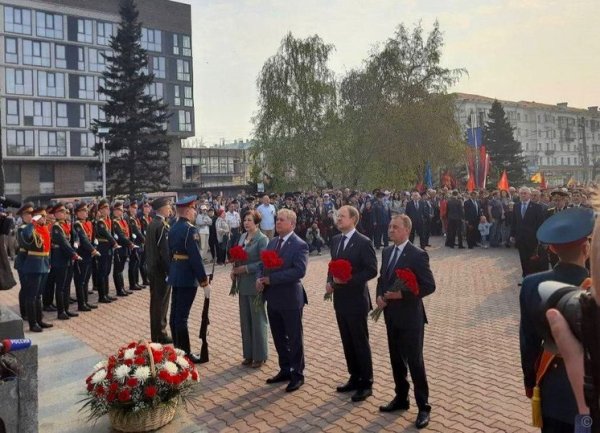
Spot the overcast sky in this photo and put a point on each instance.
(536, 50)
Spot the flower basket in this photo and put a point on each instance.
(144, 420)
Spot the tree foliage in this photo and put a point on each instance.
(378, 125)
(137, 142)
(505, 152)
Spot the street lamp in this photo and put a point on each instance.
(102, 133)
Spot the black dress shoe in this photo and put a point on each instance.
(104, 301)
(135, 288)
(49, 308)
(394, 405)
(111, 298)
(35, 328)
(140, 286)
(45, 325)
(194, 358)
(362, 394)
(294, 384)
(350, 386)
(91, 306)
(84, 308)
(422, 419)
(460, 247)
(63, 316)
(123, 293)
(70, 314)
(279, 377)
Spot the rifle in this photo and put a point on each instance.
(205, 322)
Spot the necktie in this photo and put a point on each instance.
(417, 205)
(523, 209)
(341, 245)
(390, 269)
(279, 244)
(476, 209)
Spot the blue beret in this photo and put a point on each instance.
(187, 201)
(567, 226)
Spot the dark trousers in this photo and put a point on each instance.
(81, 275)
(32, 286)
(134, 268)
(380, 233)
(103, 266)
(355, 340)
(406, 350)
(417, 229)
(286, 328)
(118, 267)
(454, 229)
(182, 299)
(160, 293)
(551, 425)
(316, 244)
(62, 281)
(143, 268)
(48, 289)
(472, 234)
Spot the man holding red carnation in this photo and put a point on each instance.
(351, 300)
(405, 316)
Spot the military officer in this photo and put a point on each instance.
(567, 233)
(145, 221)
(50, 280)
(123, 237)
(106, 245)
(25, 212)
(560, 198)
(87, 251)
(158, 259)
(186, 271)
(138, 238)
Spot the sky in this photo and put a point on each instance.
(536, 50)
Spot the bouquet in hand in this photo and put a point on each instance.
(340, 269)
(406, 280)
(238, 256)
(271, 261)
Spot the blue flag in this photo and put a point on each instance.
(474, 137)
(428, 178)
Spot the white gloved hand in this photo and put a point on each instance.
(206, 291)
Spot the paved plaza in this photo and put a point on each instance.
(471, 355)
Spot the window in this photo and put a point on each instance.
(17, 20)
(37, 113)
(151, 40)
(101, 83)
(47, 173)
(10, 50)
(87, 144)
(97, 62)
(19, 81)
(183, 70)
(12, 112)
(60, 56)
(185, 120)
(158, 67)
(105, 31)
(97, 113)
(19, 143)
(62, 119)
(80, 59)
(176, 96)
(52, 143)
(84, 31)
(188, 100)
(82, 116)
(36, 53)
(86, 88)
(49, 25)
(155, 90)
(176, 49)
(190, 169)
(187, 46)
(51, 84)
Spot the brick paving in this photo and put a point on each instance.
(471, 355)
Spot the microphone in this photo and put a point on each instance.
(11, 345)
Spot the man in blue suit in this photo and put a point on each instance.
(286, 298)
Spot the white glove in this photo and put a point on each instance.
(206, 291)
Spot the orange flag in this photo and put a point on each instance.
(470, 184)
(503, 182)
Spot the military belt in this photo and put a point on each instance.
(180, 256)
(102, 240)
(38, 253)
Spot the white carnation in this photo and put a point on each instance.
(142, 373)
(122, 371)
(183, 363)
(156, 346)
(179, 352)
(99, 376)
(101, 364)
(129, 354)
(171, 367)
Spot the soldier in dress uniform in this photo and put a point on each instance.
(25, 212)
(50, 280)
(35, 268)
(158, 259)
(567, 233)
(63, 256)
(138, 238)
(84, 230)
(560, 199)
(123, 237)
(186, 271)
(145, 221)
(106, 245)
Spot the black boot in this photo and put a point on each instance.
(66, 302)
(33, 325)
(85, 300)
(81, 298)
(39, 315)
(22, 308)
(60, 307)
(183, 340)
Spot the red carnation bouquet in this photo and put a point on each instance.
(138, 379)
(340, 269)
(406, 280)
(238, 255)
(271, 261)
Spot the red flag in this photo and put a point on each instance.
(503, 182)
(470, 184)
(543, 183)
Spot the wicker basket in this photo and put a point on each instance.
(145, 420)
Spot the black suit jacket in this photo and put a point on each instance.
(472, 213)
(524, 229)
(408, 312)
(354, 297)
(455, 209)
(416, 215)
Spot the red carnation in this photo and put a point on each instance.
(409, 279)
(158, 356)
(111, 397)
(90, 386)
(194, 375)
(271, 259)
(131, 345)
(140, 349)
(172, 357)
(341, 269)
(140, 361)
(238, 254)
(112, 360)
(113, 387)
(89, 379)
(150, 391)
(132, 382)
(109, 375)
(100, 390)
(164, 375)
(128, 362)
(125, 395)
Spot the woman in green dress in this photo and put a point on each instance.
(253, 320)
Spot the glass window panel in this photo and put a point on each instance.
(19, 143)
(84, 30)
(17, 20)
(12, 112)
(19, 81)
(187, 46)
(11, 54)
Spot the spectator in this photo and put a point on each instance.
(267, 212)
(484, 231)
(203, 223)
(314, 239)
(223, 236)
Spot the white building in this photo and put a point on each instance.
(560, 141)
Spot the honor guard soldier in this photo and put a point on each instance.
(145, 221)
(122, 236)
(87, 251)
(545, 376)
(138, 238)
(25, 212)
(158, 259)
(50, 281)
(106, 245)
(186, 271)
(63, 256)
(35, 268)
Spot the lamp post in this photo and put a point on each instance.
(102, 133)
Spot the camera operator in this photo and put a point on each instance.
(545, 375)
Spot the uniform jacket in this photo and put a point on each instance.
(157, 246)
(135, 230)
(123, 236)
(62, 250)
(22, 252)
(184, 241)
(37, 241)
(85, 235)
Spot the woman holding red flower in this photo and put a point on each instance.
(253, 321)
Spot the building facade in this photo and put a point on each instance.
(557, 140)
(50, 69)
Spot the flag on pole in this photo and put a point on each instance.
(428, 178)
(503, 182)
(470, 184)
(537, 177)
(543, 183)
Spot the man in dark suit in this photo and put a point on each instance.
(381, 219)
(415, 209)
(473, 210)
(352, 301)
(405, 318)
(527, 218)
(286, 298)
(456, 214)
